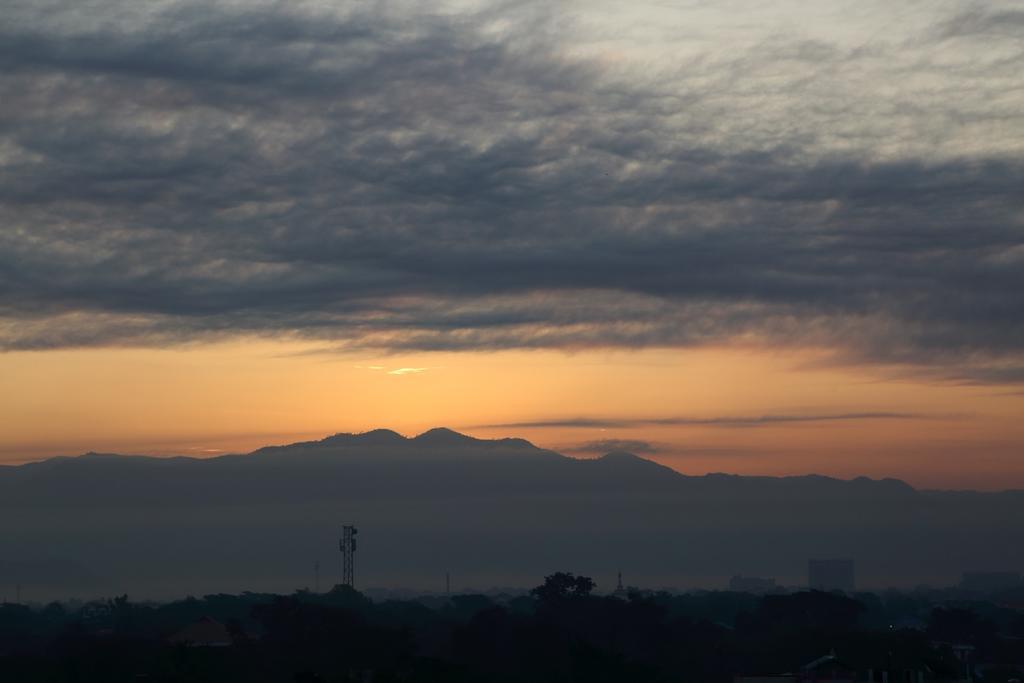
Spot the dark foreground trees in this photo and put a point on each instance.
(562, 631)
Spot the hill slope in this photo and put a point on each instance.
(489, 511)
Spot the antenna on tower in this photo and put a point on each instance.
(620, 590)
(347, 546)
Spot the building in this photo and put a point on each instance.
(831, 669)
(830, 575)
(827, 669)
(752, 584)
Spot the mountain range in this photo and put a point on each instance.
(489, 512)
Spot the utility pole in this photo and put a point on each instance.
(316, 576)
(347, 545)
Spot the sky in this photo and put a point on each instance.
(753, 237)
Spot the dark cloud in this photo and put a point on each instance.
(992, 375)
(615, 445)
(723, 421)
(979, 20)
(379, 180)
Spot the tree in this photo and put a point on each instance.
(562, 586)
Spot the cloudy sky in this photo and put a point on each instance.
(747, 236)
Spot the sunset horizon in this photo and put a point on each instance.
(243, 222)
(735, 410)
(490, 341)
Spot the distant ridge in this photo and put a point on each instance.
(383, 442)
(624, 460)
(377, 437)
(499, 511)
(441, 437)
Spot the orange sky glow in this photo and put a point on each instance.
(740, 410)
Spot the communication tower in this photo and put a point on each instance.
(347, 545)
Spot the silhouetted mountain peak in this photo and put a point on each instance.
(627, 462)
(442, 445)
(93, 455)
(888, 484)
(374, 437)
(442, 436)
(622, 456)
(513, 442)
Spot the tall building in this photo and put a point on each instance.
(830, 575)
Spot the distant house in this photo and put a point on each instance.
(827, 669)
(964, 653)
(766, 678)
(206, 632)
(831, 669)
